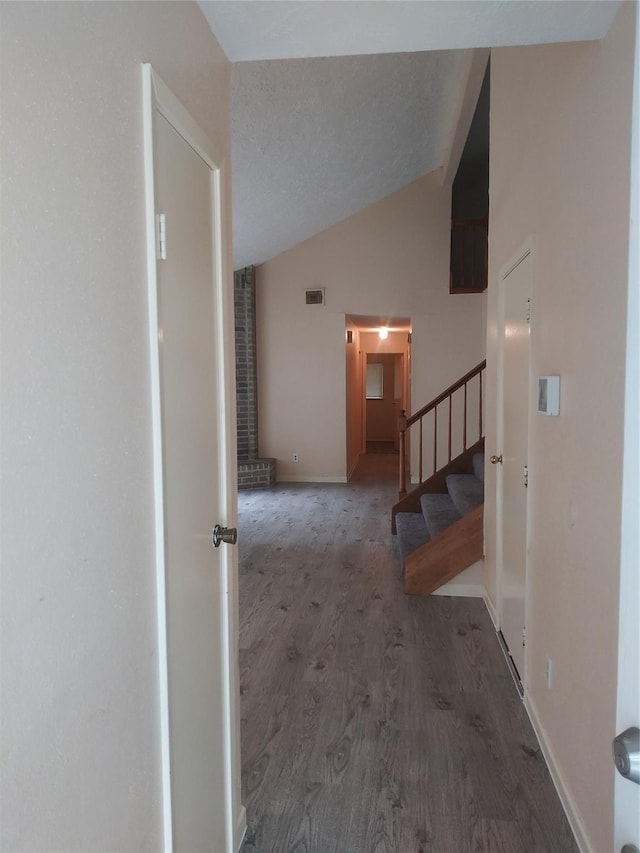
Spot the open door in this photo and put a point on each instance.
(187, 307)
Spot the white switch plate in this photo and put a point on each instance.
(549, 395)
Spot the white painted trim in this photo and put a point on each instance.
(461, 590)
(573, 815)
(149, 107)
(492, 611)
(241, 829)
(525, 250)
(170, 107)
(626, 794)
(227, 512)
(159, 98)
(313, 478)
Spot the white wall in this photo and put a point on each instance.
(80, 733)
(391, 259)
(560, 142)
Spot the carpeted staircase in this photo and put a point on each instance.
(446, 536)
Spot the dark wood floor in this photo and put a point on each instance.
(373, 722)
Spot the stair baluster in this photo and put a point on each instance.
(402, 428)
(406, 422)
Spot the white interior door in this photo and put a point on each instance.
(198, 720)
(515, 396)
(627, 793)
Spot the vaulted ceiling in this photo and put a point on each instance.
(335, 105)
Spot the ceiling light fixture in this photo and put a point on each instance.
(383, 332)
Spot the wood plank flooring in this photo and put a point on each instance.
(374, 722)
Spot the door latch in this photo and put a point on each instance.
(626, 754)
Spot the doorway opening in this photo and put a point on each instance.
(378, 364)
(383, 401)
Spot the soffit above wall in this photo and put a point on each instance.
(286, 30)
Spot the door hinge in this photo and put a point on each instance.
(161, 237)
(529, 311)
(524, 637)
(526, 476)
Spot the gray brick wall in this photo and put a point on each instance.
(256, 474)
(244, 299)
(253, 473)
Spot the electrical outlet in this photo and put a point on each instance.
(548, 671)
(295, 457)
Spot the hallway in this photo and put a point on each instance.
(374, 721)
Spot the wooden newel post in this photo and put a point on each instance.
(402, 428)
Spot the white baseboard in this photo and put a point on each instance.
(240, 829)
(492, 611)
(573, 815)
(463, 590)
(312, 478)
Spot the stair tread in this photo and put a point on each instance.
(439, 512)
(466, 492)
(478, 466)
(412, 532)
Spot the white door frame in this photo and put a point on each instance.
(363, 399)
(627, 795)
(157, 97)
(525, 249)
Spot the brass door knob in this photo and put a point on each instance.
(496, 459)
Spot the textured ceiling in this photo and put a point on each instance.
(315, 139)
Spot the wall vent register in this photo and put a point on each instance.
(315, 297)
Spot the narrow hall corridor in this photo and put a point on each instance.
(374, 722)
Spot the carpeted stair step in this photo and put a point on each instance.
(478, 466)
(439, 512)
(466, 492)
(412, 532)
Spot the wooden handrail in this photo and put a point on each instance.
(446, 393)
(404, 423)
